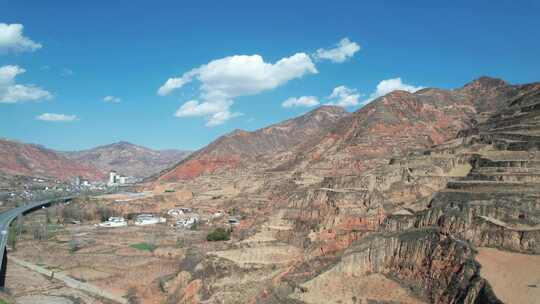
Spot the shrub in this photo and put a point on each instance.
(143, 246)
(131, 296)
(40, 232)
(162, 284)
(194, 226)
(74, 245)
(104, 213)
(219, 234)
(12, 237)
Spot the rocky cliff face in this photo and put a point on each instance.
(127, 158)
(245, 148)
(417, 217)
(496, 204)
(442, 269)
(32, 160)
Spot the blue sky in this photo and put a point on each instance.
(72, 54)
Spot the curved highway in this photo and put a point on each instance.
(8, 216)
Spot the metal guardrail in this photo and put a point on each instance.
(8, 216)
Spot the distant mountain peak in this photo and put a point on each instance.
(127, 158)
(122, 144)
(238, 132)
(327, 109)
(331, 108)
(486, 82)
(398, 94)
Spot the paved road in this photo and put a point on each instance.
(7, 217)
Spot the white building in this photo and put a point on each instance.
(112, 178)
(114, 222)
(117, 179)
(148, 219)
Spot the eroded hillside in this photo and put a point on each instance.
(431, 197)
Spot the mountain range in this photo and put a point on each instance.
(423, 197)
(329, 139)
(24, 159)
(326, 139)
(127, 158)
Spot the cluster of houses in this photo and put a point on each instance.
(180, 217)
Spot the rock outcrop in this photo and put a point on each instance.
(439, 267)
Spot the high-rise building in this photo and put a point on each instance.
(113, 177)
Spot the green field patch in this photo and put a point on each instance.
(143, 247)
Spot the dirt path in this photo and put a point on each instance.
(515, 277)
(69, 281)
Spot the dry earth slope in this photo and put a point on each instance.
(241, 147)
(397, 122)
(127, 158)
(33, 160)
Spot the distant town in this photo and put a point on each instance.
(23, 188)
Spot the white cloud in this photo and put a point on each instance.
(56, 117)
(224, 79)
(303, 101)
(219, 118)
(11, 92)
(386, 86)
(175, 83)
(194, 108)
(344, 97)
(13, 40)
(344, 50)
(112, 99)
(216, 112)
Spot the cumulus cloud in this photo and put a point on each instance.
(13, 40)
(344, 50)
(341, 96)
(216, 112)
(303, 101)
(112, 99)
(386, 86)
(11, 92)
(224, 79)
(56, 117)
(344, 97)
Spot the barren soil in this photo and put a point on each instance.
(514, 277)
